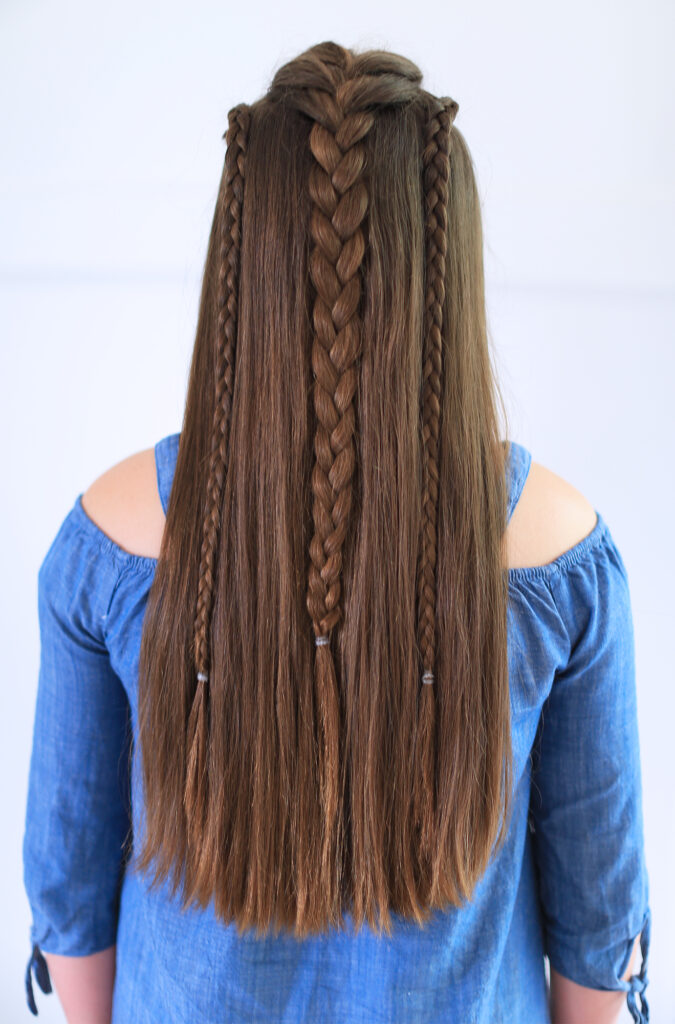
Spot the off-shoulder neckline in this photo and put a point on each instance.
(567, 559)
(142, 562)
(146, 563)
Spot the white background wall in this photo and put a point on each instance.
(111, 119)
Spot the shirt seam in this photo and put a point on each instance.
(123, 572)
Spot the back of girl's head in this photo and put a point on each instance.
(323, 686)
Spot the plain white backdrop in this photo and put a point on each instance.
(111, 123)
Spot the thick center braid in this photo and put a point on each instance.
(340, 201)
(436, 171)
(228, 286)
(340, 93)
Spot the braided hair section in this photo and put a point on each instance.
(340, 92)
(436, 171)
(196, 783)
(339, 204)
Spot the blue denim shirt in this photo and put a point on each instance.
(570, 883)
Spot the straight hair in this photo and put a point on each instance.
(324, 709)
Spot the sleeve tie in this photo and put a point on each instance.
(638, 982)
(37, 963)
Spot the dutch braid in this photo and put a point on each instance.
(236, 138)
(436, 165)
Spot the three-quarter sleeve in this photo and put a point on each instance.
(586, 816)
(78, 813)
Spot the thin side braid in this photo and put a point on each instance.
(436, 169)
(196, 788)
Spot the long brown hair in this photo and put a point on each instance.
(324, 712)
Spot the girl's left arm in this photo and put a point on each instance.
(84, 985)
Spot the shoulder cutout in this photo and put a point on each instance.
(124, 503)
(549, 519)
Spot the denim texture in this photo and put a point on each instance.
(570, 883)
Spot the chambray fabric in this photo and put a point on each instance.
(570, 883)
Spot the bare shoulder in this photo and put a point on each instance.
(551, 517)
(124, 503)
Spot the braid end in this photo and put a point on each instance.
(196, 783)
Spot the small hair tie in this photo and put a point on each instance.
(203, 677)
(428, 677)
(321, 640)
